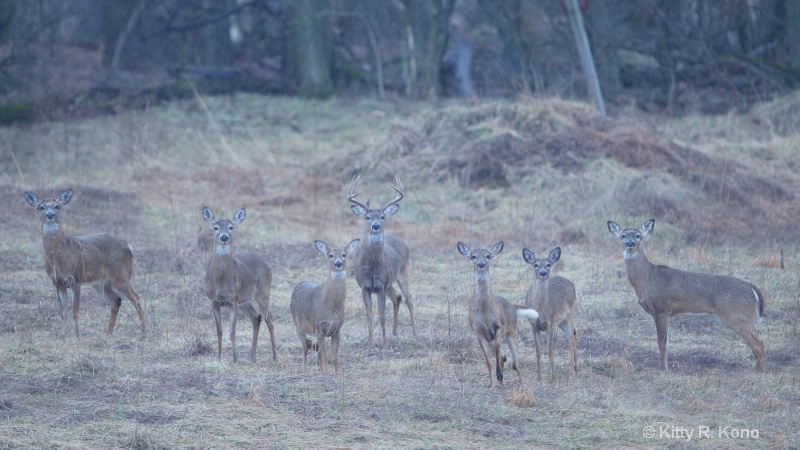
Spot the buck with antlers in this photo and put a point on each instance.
(70, 261)
(318, 309)
(665, 292)
(554, 299)
(237, 281)
(493, 318)
(381, 260)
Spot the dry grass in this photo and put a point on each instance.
(534, 172)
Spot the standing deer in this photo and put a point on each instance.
(237, 280)
(381, 260)
(554, 298)
(664, 292)
(70, 261)
(492, 318)
(318, 309)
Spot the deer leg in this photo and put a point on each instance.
(61, 293)
(382, 312)
(107, 293)
(234, 319)
(485, 348)
(574, 337)
(215, 311)
(536, 338)
(745, 331)
(401, 281)
(551, 341)
(335, 352)
(662, 330)
(499, 360)
(271, 329)
(367, 296)
(305, 344)
(512, 342)
(76, 302)
(322, 353)
(134, 298)
(395, 299)
(255, 319)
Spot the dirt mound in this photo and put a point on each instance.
(498, 145)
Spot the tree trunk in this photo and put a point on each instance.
(427, 21)
(310, 48)
(792, 27)
(604, 47)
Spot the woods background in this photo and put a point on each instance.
(77, 57)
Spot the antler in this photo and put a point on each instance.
(399, 191)
(351, 195)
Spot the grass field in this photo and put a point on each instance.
(533, 172)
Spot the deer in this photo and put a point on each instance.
(318, 309)
(381, 260)
(492, 318)
(554, 299)
(241, 281)
(664, 292)
(102, 260)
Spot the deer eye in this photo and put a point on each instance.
(216, 227)
(547, 265)
(488, 256)
(41, 207)
(330, 255)
(473, 257)
(638, 236)
(382, 217)
(57, 207)
(230, 227)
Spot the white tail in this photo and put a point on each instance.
(71, 261)
(238, 281)
(318, 309)
(554, 298)
(492, 318)
(381, 261)
(664, 292)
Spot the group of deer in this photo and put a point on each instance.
(242, 281)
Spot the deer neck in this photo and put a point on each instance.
(372, 253)
(222, 262)
(483, 291)
(542, 286)
(638, 268)
(335, 289)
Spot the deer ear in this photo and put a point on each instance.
(359, 211)
(648, 226)
(321, 247)
(528, 256)
(239, 216)
(497, 248)
(613, 228)
(463, 249)
(65, 197)
(31, 199)
(208, 216)
(391, 209)
(555, 255)
(353, 245)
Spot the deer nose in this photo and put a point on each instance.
(224, 238)
(338, 264)
(481, 264)
(542, 273)
(630, 244)
(376, 226)
(50, 215)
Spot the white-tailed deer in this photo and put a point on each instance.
(492, 318)
(318, 309)
(554, 299)
(237, 280)
(381, 260)
(70, 261)
(664, 292)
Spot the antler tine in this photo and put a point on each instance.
(399, 191)
(351, 195)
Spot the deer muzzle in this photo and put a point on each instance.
(224, 238)
(542, 273)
